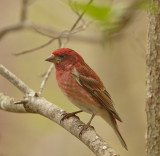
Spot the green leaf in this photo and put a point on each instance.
(95, 11)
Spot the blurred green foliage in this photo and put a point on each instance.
(112, 18)
(96, 11)
(108, 16)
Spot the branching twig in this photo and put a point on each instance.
(21, 24)
(80, 17)
(76, 23)
(41, 106)
(47, 31)
(69, 33)
(75, 10)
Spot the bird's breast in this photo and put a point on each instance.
(77, 94)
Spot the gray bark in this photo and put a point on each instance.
(153, 82)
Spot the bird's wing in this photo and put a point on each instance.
(94, 86)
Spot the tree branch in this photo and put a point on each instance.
(7, 104)
(49, 110)
(10, 28)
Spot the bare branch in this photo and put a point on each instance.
(11, 28)
(48, 31)
(65, 34)
(24, 10)
(76, 23)
(60, 36)
(15, 80)
(60, 43)
(80, 17)
(46, 78)
(44, 34)
(20, 25)
(7, 104)
(49, 110)
(34, 49)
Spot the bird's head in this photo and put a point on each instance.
(64, 58)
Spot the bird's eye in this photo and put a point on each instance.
(61, 56)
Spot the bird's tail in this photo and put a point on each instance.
(110, 119)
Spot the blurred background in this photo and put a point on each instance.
(119, 61)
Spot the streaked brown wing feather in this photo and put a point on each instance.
(107, 103)
(98, 91)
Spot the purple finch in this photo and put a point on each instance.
(84, 88)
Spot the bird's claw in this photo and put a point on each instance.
(84, 128)
(36, 94)
(68, 115)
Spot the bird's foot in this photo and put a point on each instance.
(84, 128)
(68, 115)
(36, 94)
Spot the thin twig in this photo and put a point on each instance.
(76, 23)
(42, 75)
(75, 10)
(46, 78)
(64, 34)
(24, 10)
(44, 34)
(60, 43)
(34, 49)
(80, 17)
(81, 28)
(48, 30)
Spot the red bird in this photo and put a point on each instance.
(84, 88)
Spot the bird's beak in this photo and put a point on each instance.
(51, 59)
